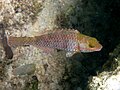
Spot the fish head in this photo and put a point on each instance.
(89, 44)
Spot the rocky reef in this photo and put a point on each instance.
(30, 69)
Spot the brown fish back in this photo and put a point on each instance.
(20, 41)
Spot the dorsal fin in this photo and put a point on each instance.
(56, 30)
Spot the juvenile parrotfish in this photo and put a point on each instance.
(69, 40)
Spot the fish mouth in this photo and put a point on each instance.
(98, 48)
(91, 49)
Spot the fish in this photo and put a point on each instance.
(69, 40)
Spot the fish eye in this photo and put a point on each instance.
(91, 42)
(91, 46)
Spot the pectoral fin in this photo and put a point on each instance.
(70, 54)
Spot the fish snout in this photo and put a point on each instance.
(95, 48)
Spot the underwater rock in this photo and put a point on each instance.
(106, 81)
(24, 70)
(109, 78)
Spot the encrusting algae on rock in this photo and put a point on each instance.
(69, 40)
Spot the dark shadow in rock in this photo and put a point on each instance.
(3, 38)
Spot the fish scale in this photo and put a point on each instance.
(20, 41)
(59, 40)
